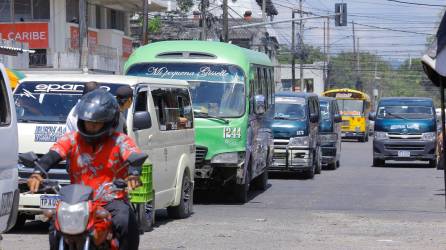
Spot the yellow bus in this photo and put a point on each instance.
(354, 107)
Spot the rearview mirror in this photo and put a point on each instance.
(141, 120)
(337, 118)
(28, 159)
(259, 105)
(372, 116)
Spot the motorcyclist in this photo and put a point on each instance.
(97, 154)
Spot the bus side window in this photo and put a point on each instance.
(141, 101)
(185, 119)
(159, 100)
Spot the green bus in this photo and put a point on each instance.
(232, 91)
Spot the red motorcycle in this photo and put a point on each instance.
(79, 215)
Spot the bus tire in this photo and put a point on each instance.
(242, 190)
(432, 163)
(185, 208)
(145, 215)
(261, 181)
(378, 162)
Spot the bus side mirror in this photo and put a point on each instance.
(259, 105)
(337, 118)
(372, 116)
(141, 120)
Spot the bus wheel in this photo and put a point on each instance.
(145, 214)
(432, 163)
(185, 208)
(261, 181)
(242, 190)
(378, 162)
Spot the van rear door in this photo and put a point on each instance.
(8, 154)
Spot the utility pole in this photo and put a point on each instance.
(301, 36)
(328, 51)
(145, 21)
(203, 18)
(225, 21)
(293, 51)
(357, 64)
(324, 71)
(83, 37)
(264, 10)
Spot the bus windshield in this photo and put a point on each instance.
(49, 102)
(217, 90)
(405, 112)
(289, 108)
(351, 107)
(325, 109)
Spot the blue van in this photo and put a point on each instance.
(405, 130)
(330, 132)
(296, 131)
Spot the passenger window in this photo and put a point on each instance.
(173, 108)
(185, 119)
(5, 111)
(141, 102)
(160, 101)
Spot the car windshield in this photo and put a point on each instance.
(43, 102)
(351, 107)
(290, 108)
(405, 112)
(217, 90)
(325, 109)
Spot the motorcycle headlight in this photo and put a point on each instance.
(381, 136)
(429, 136)
(302, 141)
(328, 138)
(73, 219)
(229, 158)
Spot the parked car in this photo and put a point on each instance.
(296, 133)
(8, 155)
(405, 130)
(330, 132)
(152, 121)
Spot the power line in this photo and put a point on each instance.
(396, 30)
(419, 4)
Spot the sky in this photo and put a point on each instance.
(413, 22)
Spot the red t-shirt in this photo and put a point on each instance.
(93, 165)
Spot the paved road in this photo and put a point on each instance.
(354, 207)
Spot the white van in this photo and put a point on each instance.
(44, 101)
(8, 155)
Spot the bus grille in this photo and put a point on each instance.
(200, 154)
(404, 147)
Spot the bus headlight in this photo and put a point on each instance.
(381, 136)
(229, 158)
(328, 138)
(299, 141)
(429, 136)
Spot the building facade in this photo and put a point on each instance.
(51, 28)
(313, 75)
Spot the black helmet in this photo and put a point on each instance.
(97, 106)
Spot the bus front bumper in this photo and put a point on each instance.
(352, 135)
(291, 160)
(404, 150)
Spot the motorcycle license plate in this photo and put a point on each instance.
(48, 201)
(403, 153)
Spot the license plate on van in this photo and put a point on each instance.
(49, 201)
(403, 153)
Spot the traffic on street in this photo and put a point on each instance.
(165, 124)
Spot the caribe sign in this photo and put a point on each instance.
(35, 34)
